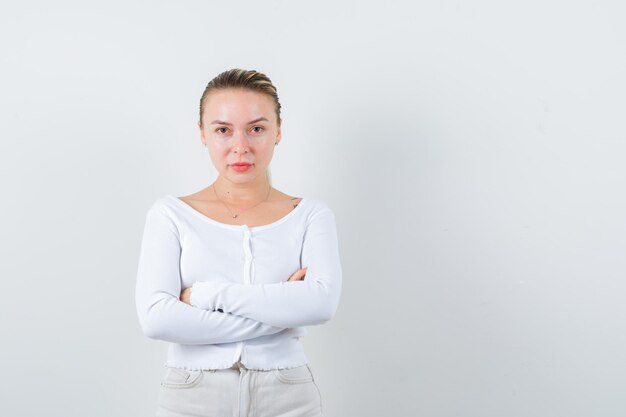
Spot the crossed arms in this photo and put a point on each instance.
(249, 310)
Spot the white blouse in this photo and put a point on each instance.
(243, 307)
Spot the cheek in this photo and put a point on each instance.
(218, 156)
(265, 150)
(217, 150)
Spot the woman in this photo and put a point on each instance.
(232, 274)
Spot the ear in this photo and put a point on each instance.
(202, 138)
(278, 135)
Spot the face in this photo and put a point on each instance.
(235, 121)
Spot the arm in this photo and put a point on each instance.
(161, 314)
(289, 303)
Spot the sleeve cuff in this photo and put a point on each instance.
(204, 294)
(199, 296)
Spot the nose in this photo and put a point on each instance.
(240, 143)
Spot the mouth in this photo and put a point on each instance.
(241, 166)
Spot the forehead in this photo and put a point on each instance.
(237, 104)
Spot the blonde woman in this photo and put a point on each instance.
(231, 275)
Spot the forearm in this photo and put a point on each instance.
(166, 318)
(286, 303)
(160, 312)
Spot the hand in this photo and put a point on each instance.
(185, 294)
(298, 275)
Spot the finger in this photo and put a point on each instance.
(297, 275)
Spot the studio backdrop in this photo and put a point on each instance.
(472, 152)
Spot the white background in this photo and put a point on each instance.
(473, 153)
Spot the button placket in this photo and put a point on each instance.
(247, 273)
(247, 249)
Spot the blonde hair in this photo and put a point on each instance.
(251, 80)
(246, 79)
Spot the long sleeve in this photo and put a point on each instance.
(161, 313)
(311, 301)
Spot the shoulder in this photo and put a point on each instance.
(168, 207)
(311, 204)
(162, 204)
(160, 217)
(317, 207)
(317, 203)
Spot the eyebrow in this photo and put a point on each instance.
(219, 122)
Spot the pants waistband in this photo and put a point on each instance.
(239, 365)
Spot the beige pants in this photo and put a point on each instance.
(239, 392)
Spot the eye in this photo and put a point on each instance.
(257, 129)
(221, 130)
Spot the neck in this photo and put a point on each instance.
(242, 193)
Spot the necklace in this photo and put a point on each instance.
(234, 216)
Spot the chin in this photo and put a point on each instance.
(240, 177)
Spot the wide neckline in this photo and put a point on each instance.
(211, 220)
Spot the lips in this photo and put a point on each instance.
(241, 166)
